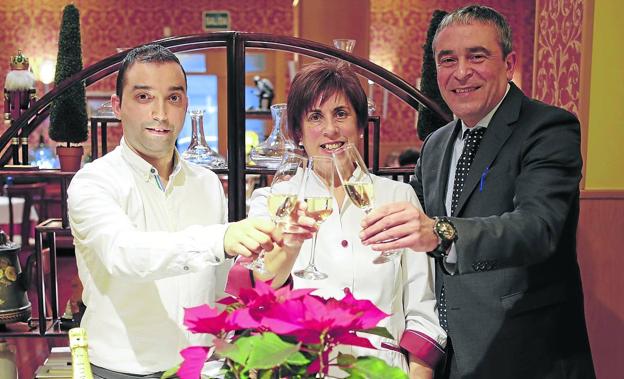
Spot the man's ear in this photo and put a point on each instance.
(510, 64)
(116, 105)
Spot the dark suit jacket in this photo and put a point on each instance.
(515, 306)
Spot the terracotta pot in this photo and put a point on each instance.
(70, 157)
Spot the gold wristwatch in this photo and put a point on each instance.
(446, 232)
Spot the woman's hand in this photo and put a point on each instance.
(419, 370)
(280, 260)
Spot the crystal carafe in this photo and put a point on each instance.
(269, 153)
(198, 151)
(344, 44)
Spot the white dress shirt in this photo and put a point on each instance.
(143, 254)
(451, 259)
(402, 287)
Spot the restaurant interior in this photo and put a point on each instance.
(240, 56)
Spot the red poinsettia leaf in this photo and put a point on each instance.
(242, 319)
(280, 326)
(314, 367)
(368, 313)
(229, 300)
(354, 340)
(205, 319)
(285, 293)
(194, 358)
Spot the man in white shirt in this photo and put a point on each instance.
(150, 229)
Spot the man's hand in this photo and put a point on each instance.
(400, 225)
(250, 236)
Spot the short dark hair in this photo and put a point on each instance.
(409, 157)
(479, 13)
(321, 80)
(152, 53)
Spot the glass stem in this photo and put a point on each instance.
(311, 263)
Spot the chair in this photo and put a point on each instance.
(33, 194)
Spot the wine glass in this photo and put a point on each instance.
(318, 194)
(282, 198)
(358, 185)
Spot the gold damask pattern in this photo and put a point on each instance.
(398, 29)
(558, 52)
(33, 27)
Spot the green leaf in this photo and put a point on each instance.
(345, 360)
(170, 373)
(236, 352)
(378, 331)
(374, 368)
(263, 351)
(270, 351)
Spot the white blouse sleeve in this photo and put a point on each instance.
(423, 334)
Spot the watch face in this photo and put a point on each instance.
(445, 230)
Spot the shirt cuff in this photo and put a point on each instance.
(422, 346)
(450, 262)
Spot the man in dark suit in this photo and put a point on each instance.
(500, 192)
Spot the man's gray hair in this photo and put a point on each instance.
(478, 13)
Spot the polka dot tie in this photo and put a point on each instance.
(471, 144)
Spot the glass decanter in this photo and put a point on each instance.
(198, 151)
(269, 153)
(344, 44)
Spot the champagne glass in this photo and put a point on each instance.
(318, 193)
(358, 185)
(282, 198)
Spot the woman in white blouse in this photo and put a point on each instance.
(327, 108)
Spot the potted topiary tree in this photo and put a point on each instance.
(68, 114)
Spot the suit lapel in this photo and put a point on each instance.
(498, 132)
(443, 164)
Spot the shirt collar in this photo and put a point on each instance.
(485, 121)
(141, 166)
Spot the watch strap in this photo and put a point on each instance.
(441, 251)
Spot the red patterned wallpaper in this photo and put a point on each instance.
(397, 28)
(558, 52)
(398, 31)
(33, 26)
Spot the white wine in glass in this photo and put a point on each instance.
(318, 194)
(281, 206)
(319, 208)
(358, 185)
(360, 193)
(283, 197)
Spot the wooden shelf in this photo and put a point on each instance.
(258, 114)
(32, 329)
(52, 174)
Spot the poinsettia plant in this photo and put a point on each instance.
(284, 333)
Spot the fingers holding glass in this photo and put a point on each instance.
(282, 198)
(358, 185)
(318, 195)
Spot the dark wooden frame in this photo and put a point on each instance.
(235, 44)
